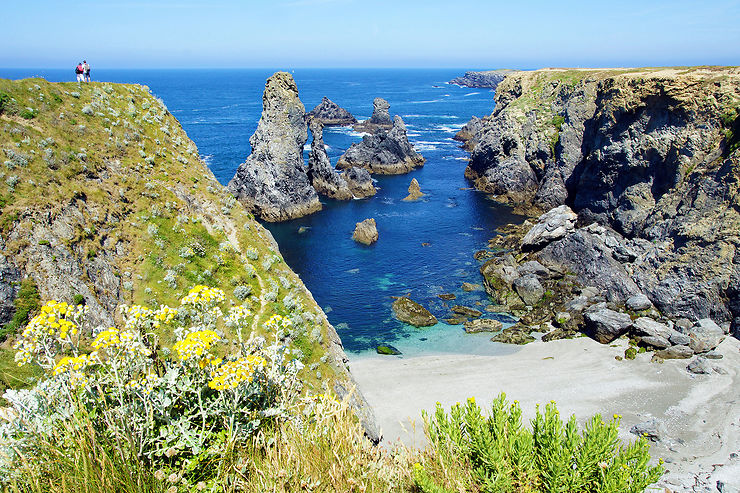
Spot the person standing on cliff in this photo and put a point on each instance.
(79, 73)
(86, 71)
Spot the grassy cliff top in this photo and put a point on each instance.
(103, 197)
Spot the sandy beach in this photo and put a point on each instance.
(701, 413)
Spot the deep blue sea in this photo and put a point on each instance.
(425, 248)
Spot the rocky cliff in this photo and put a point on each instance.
(385, 152)
(105, 201)
(272, 182)
(647, 158)
(324, 179)
(487, 79)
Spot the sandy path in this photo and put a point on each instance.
(701, 412)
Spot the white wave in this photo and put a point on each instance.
(306, 147)
(413, 134)
(451, 128)
(208, 159)
(435, 117)
(471, 94)
(427, 102)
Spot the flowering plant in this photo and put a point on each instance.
(165, 401)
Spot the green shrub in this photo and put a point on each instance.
(474, 452)
(630, 352)
(26, 302)
(4, 100)
(28, 113)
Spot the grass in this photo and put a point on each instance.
(26, 303)
(469, 450)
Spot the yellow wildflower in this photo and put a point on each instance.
(232, 373)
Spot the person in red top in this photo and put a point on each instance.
(79, 73)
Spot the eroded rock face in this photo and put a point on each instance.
(324, 179)
(366, 232)
(330, 113)
(272, 182)
(488, 79)
(643, 154)
(385, 153)
(359, 182)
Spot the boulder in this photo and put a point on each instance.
(467, 287)
(385, 153)
(513, 336)
(412, 313)
(414, 191)
(605, 325)
(700, 366)
(550, 226)
(655, 342)
(483, 325)
(648, 327)
(529, 289)
(678, 339)
(675, 352)
(446, 296)
(533, 267)
(638, 302)
(468, 312)
(380, 119)
(366, 232)
(705, 335)
(272, 183)
(324, 179)
(584, 254)
(359, 182)
(330, 113)
(652, 429)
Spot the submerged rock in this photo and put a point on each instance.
(387, 349)
(412, 313)
(366, 232)
(468, 312)
(330, 114)
(359, 182)
(483, 325)
(385, 153)
(321, 174)
(414, 191)
(272, 183)
(380, 119)
(513, 335)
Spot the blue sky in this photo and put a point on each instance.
(368, 33)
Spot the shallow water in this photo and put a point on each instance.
(425, 247)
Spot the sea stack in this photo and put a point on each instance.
(272, 183)
(324, 179)
(380, 120)
(385, 153)
(360, 182)
(331, 114)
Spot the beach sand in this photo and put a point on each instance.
(701, 412)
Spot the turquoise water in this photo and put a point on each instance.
(425, 248)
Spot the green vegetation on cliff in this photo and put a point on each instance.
(104, 198)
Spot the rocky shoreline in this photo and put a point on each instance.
(645, 160)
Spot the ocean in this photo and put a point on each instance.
(425, 248)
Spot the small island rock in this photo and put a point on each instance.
(366, 232)
(414, 191)
(385, 153)
(331, 114)
(380, 119)
(412, 313)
